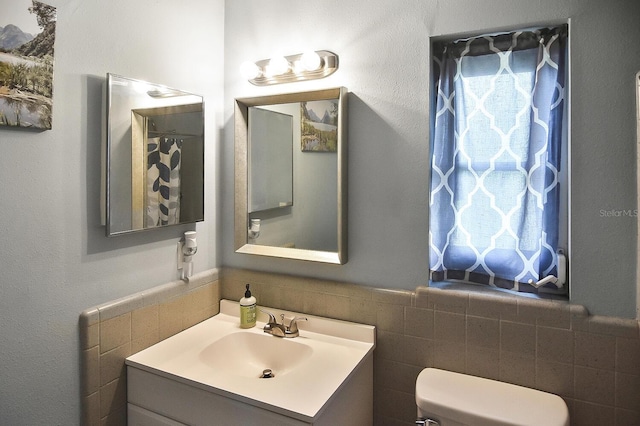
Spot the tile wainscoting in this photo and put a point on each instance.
(592, 362)
(111, 332)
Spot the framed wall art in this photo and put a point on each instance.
(27, 36)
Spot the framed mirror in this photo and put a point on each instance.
(154, 156)
(291, 175)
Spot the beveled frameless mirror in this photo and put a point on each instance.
(291, 149)
(154, 156)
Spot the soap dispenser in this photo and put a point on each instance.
(247, 310)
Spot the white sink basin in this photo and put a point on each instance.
(221, 358)
(249, 354)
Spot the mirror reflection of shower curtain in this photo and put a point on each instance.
(162, 198)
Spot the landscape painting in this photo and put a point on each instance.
(319, 125)
(27, 36)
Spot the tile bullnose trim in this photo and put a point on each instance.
(421, 299)
(109, 332)
(89, 317)
(392, 296)
(619, 327)
(542, 342)
(153, 295)
(201, 278)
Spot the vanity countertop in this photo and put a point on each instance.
(218, 356)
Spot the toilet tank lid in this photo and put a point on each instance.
(478, 401)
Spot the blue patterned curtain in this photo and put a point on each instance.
(496, 158)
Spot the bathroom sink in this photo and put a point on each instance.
(218, 357)
(250, 354)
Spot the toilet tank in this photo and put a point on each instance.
(454, 399)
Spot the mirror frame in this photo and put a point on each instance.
(241, 126)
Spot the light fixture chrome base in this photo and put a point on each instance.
(328, 65)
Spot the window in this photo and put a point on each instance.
(496, 169)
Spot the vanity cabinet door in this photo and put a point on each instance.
(137, 416)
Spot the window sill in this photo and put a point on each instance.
(479, 288)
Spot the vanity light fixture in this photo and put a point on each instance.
(288, 69)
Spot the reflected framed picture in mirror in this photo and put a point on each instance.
(154, 150)
(319, 125)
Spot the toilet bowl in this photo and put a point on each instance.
(446, 398)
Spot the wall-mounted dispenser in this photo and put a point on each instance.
(186, 249)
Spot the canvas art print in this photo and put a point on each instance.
(319, 125)
(27, 35)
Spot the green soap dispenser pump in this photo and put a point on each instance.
(247, 310)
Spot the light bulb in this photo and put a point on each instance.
(310, 60)
(249, 70)
(277, 66)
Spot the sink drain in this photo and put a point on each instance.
(267, 374)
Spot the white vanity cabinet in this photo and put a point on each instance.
(193, 379)
(171, 403)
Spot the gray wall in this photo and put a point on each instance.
(384, 50)
(55, 260)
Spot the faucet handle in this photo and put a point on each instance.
(293, 324)
(272, 318)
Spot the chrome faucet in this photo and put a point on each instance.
(280, 329)
(272, 327)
